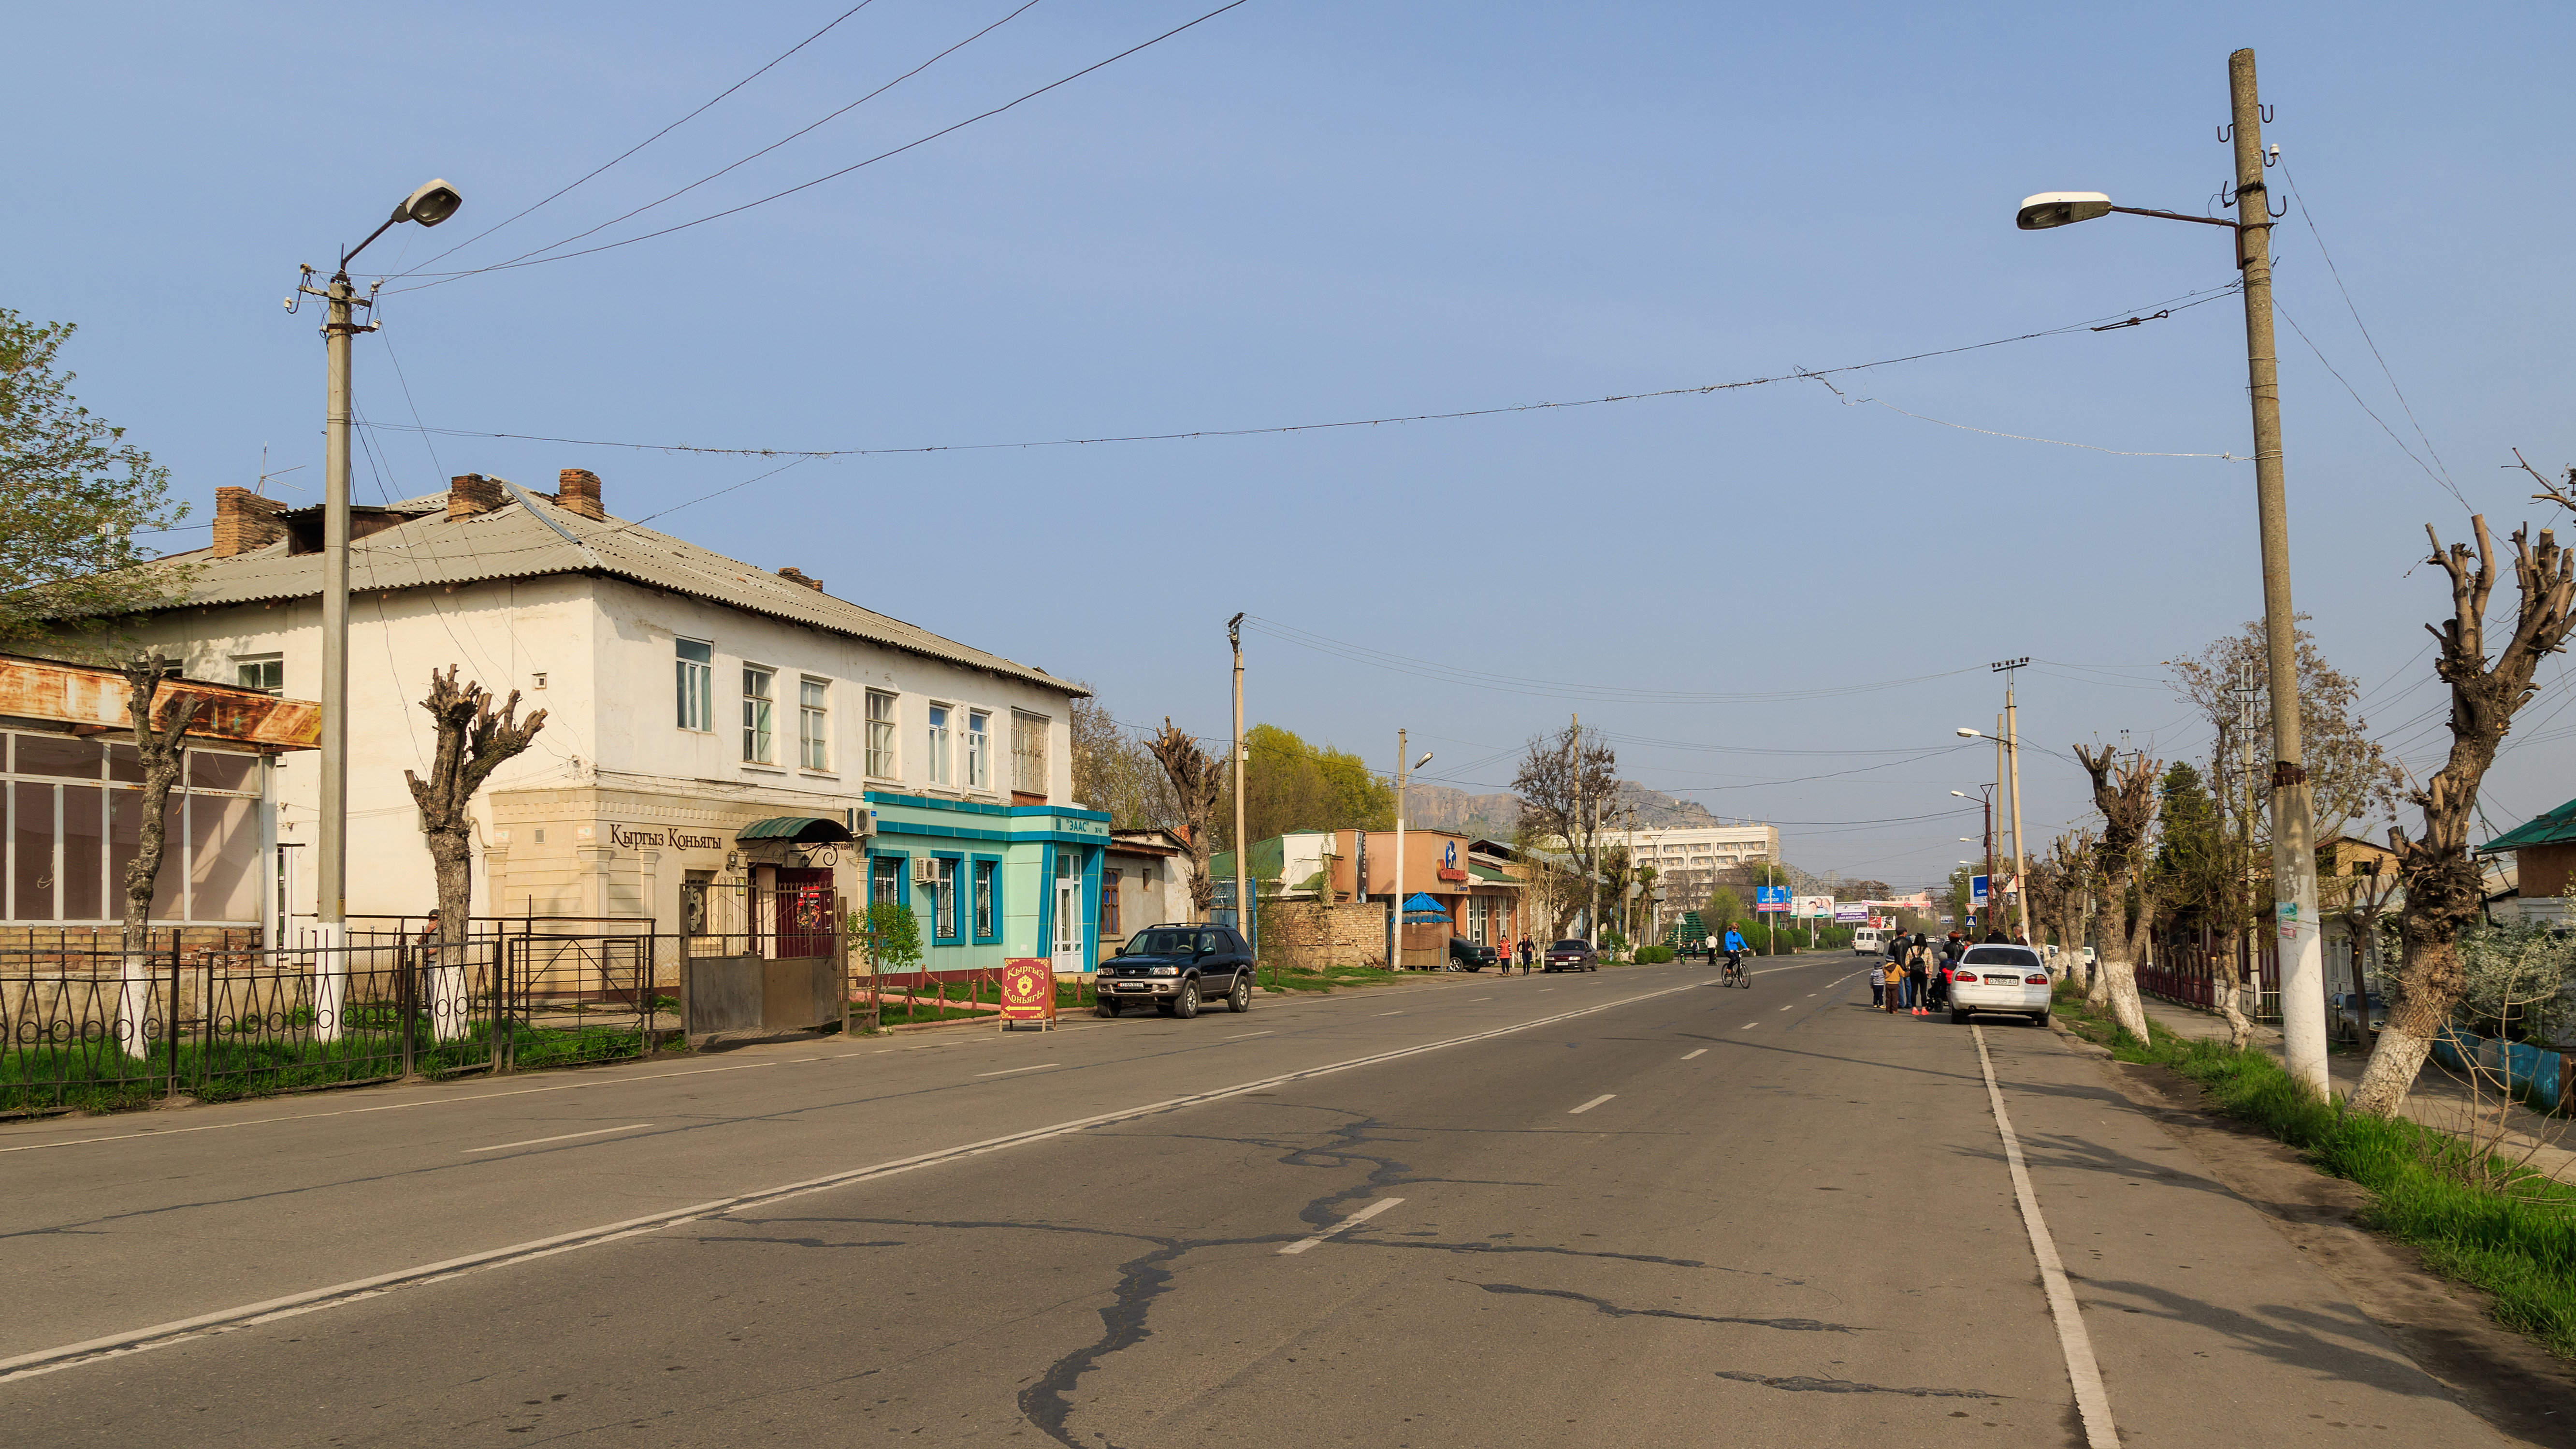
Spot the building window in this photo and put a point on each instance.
(885, 880)
(1109, 904)
(938, 739)
(985, 924)
(1028, 752)
(979, 750)
(263, 672)
(74, 822)
(943, 901)
(697, 667)
(757, 727)
(881, 735)
(814, 724)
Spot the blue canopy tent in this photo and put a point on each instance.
(1422, 910)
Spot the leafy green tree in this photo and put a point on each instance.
(1724, 905)
(892, 935)
(73, 496)
(1289, 784)
(2192, 857)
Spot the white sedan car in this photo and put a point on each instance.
(2000, 979)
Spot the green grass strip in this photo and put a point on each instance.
(2426, 1188)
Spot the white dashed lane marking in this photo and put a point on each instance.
(1588, 1106)
(566, 1137)
(1703, 1051)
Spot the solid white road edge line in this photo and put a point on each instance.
(2092, 1401)
(1345, 1225)
(1588, 1106)
(566, 1137)
(49, 1360)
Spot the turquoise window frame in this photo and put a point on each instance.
(981, 864)
(954, 917)
(902, 875)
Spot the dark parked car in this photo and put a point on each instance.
(1573, 956)
(1466, 955)
(1177, 968)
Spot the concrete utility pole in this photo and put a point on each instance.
(430, 204)
(2012, 754)
(2294, 858)
(1403, 773)
(1591, 833)
(1243, 913)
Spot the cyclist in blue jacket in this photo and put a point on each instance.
(1735, 948)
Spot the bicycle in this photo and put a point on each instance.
(1735, 974)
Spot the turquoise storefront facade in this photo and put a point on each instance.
(1005, 878)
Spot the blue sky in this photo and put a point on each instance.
(1301, 213)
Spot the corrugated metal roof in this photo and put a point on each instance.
(510, 543)
(2550, 829)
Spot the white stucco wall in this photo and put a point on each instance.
(605, 651)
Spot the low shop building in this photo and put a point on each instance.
(716, 733)
(1145, 883)
(71, 788)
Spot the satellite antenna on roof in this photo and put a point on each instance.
(261, 487)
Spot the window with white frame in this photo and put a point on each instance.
(881, 735)
(758, 726)
(814, 724)
(1028, 752)
(697, 670)
(938, 741)
(979, 750)
(263, 672)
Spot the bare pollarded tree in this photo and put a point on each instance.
(2126, 796)
(1566, 783)
(161, 753)
(473, 741)
(1198, 780)
(2444, 890)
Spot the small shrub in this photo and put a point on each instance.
(1654, 955)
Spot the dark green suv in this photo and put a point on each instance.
(1178, 968)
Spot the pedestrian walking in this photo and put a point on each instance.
(1918, 975)
(1528, 952)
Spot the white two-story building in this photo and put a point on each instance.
(710, 726)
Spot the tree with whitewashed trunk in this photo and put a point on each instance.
(160, 753)
(2126, 796)
(2445, 892)
(473, 741)
(1198, 780)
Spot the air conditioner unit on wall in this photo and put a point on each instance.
(860, 821)
(925, 871)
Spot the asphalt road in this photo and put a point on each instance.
(1621, 1208)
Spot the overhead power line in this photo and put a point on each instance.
(1695, 390)
(737, 165)
(538, 261)
(649, 140)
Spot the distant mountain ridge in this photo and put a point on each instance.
(1443, 807)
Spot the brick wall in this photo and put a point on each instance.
(1310, 935)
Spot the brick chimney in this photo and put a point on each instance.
(472, 493)
(797, 576)
(577, 491)
(245, 521)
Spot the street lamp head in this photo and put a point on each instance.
(1966, 733)
(2060, 208)
(433, 202)
(1426, 759)
(1962, 794)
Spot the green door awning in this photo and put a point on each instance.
(801, 829)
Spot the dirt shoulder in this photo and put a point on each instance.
(2449, 1329)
